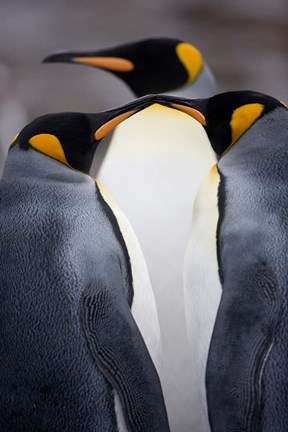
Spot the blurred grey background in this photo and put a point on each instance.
(245, 43)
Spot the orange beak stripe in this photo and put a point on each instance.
(111, 124)
(111, 63)
(197, 115)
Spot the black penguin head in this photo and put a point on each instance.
(71, 137)
(227, 116)
(147, 66)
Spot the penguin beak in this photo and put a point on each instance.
(193, 107)
(102, 59)
(105, 122)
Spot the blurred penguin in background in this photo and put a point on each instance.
(161, 157)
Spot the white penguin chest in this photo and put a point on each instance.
(202, 289)
(143, 307)
(153, 167)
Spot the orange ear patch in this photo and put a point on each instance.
(49, 145)
(243, 117)
(191, 58)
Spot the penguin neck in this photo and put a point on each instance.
(204, 86)
(263, 145)
(24, 165)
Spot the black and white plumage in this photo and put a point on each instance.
(246, 373)
(161, 156)
(70, 344)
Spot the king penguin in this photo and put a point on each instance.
(72, 357)
(162, 179)
(244, 226)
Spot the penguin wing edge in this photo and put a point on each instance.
(117, 347)
(242, 339)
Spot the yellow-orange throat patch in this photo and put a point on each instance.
(49, 145)
(191, 58)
